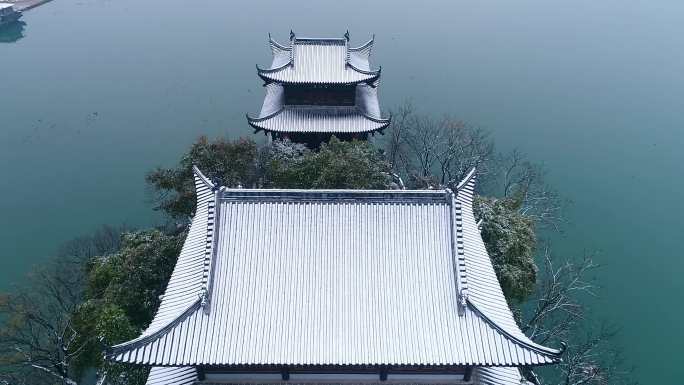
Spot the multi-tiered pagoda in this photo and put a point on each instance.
(333, 286)
(316, 88)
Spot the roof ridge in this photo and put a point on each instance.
(319, 39)
(341, 196)
(469, 178)
(200, 177)
(210, 252)
(458, 252)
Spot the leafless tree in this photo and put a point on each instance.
(558, 305)
(38, 341)
(433, 152)
(515, 175)
(106, 239)
(594, 359)
(558, 313)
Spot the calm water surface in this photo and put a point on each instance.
(95, 93)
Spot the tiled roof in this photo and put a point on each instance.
(338, 277)
(182, 290)
(160, 375)
(275, 116)
(320, 119)
(319, 61)
(497, 376)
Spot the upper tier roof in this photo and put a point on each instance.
(319, 61)
(333, 277)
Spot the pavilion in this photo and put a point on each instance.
(331, 287)
(319, 87)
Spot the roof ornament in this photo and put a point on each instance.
(217, 182)
(346, 35)
(292, 35)
(204, 298)
(462, 303)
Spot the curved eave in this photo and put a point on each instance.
(374, 74)
(269, 75)
(554, 355)
(122, 352)
(465, 193)
(254, 121)
(365, 46)
(200, 177)
(261, 123)
(273, 43)
(183, 292)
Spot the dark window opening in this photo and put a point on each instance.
(320, 95)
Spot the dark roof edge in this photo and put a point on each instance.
(258, 119)
(264, 71)
(304, 195)
(210, 251)
(467, 186)
(456, 232)
(555, 354)
(375, 74)
(386, 120)
(363, 46)
(254, 121)
(274, 43)
(264, 74)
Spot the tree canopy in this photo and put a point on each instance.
(122, 292)
(281, 164)
(511, 242)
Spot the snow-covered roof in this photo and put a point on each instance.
(319, 61)
(333, 277)
(6, 5)
(363, 117)
(161, 375)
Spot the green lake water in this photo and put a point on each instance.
(95, 93)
